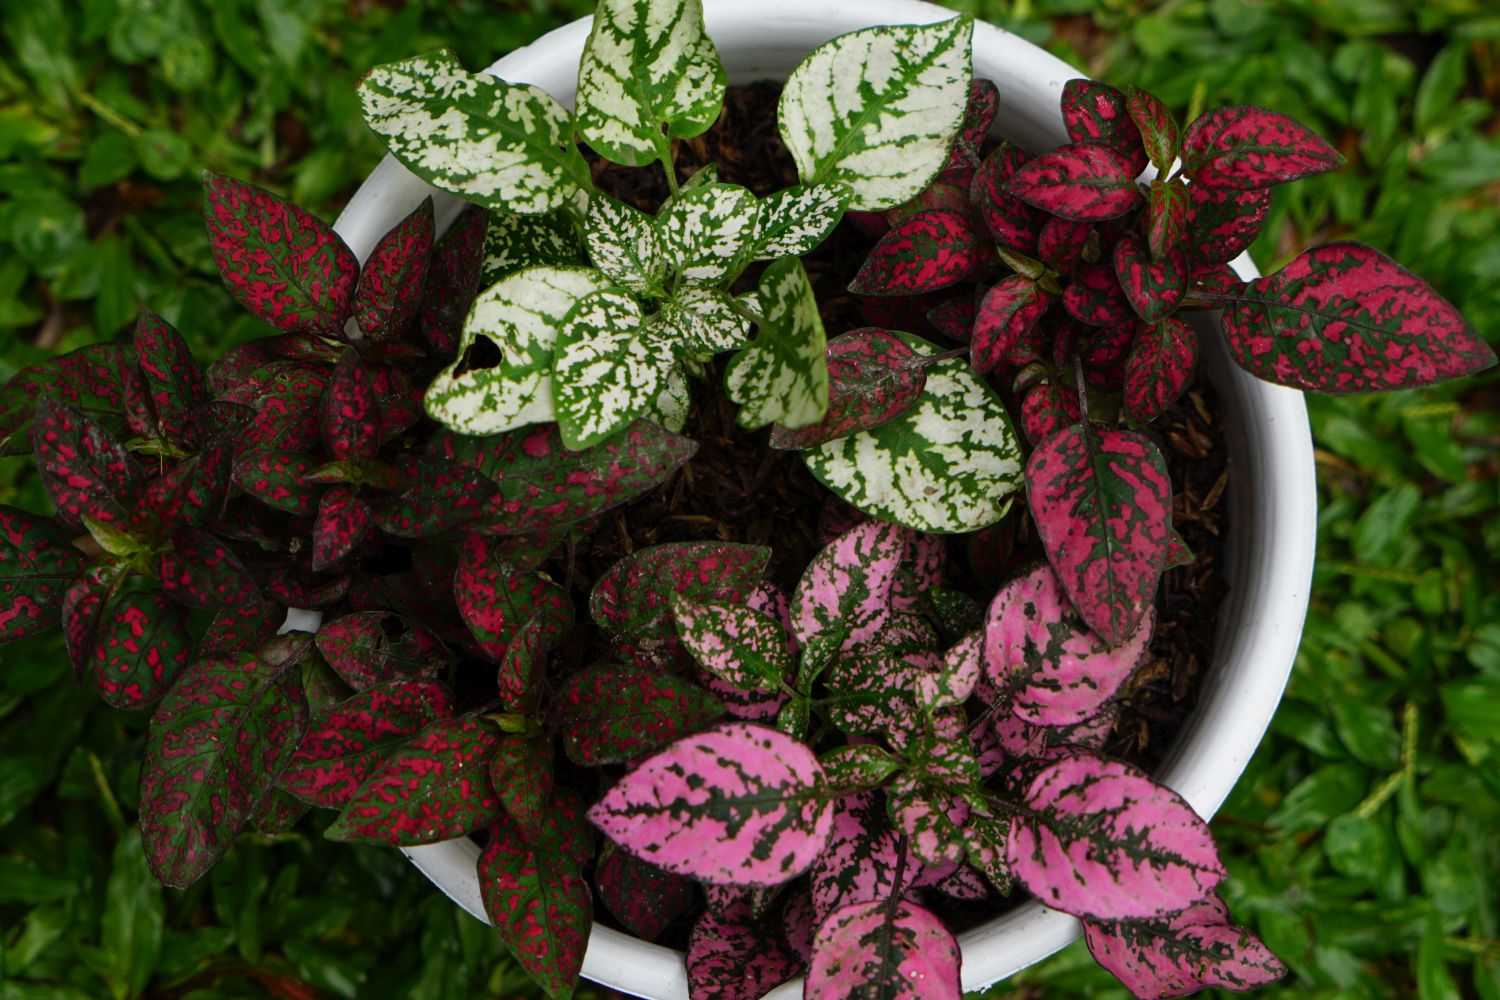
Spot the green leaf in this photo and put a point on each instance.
(623, 243)
(948, 464)
(515, 242)
(878, 109)
(132, 920)
(701, 322)
(609, 367)
(520, 315)
(649, 74)
(794, 222)
(706, 231)
(505, 145)
(783, 377)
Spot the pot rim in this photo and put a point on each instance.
(1273, 496)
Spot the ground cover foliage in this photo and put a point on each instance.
(1358, 842)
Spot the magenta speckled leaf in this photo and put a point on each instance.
(1095, 296)
(854, 767)
(535, 894)
(732, 956)
(1103, 350)
(199, 571)
(1153, 285)
(733, 642)
(1044, 662)
(1098, 113)
(237, 629)
(1344, 318)
(953, 683)
(873, 377)
(173, 383)
(143, 643)
(276, 479)
(1005, 319)
(350, 417)
(286, 417)
(639, 895)
(343, 521)
(37, 565)
(984, 104)
(494, 598)
(342, 750)
(1157, 127)
(137, 406)
(931, 818)
(894, 950)
(1220, 279)
(1245, 147)
(391, 282)
(1062, 243)
(1223, 223)
(372, 647)
(83, 607)
(434, 787)
(443, 495)
(1012, 222)
(739, 804)
(848, 585)
(1160, 364)
(635, 596)
(611, 714)
(216, 743)
(453, 279)
(1178, 553)
(89, 379)
(194, 490)
(1102, 504)
(1048, 408)
(1168, 216)
(1083, 181)
(872, 692)
(86, 471)
(954, 318)
(277, 260)
(860, 861)
(1104, 841)
(521, 775)
(928, 252)
(1192, 950)
(519, 673)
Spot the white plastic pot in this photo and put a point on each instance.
(1272, 492)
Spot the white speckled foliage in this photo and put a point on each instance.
(611, 366)
(505, 145)
(707, 231)
(783, 376)
(793, 222)
(623, 243)
(878, 109)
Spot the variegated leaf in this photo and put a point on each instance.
(733, 956)
(847, 587)
(453, 279)
(277, 479)
(392, 279)
(1048, 408)
(650, 74)
(1005, 318)
(37, 566)
(1158, 129)
(1062, 243)
(931, 818)
(873, 377)
(645, 899)
(87, 472)
(343, 521)
(608, 370)
(172, 381)
(856, 767)
(1014, 224)
(1103, 841)
(979, 115)
(495, 598)
(1168, 216)
(1102, 503)
(515, 242)
(795, 221)
(928, 252)
(872, 692)
(878, 109)
(520, 315)
(623, 243)
(1159, 367)
(738, 804)
(1223, 223)
(521, 775)
(609, 715)
(953, 683)
(372, 647)
(635, 596)
(948, 464)
(350, 413)
(783, 377)
(441, 497)
(143, 643)
(83, 607)
(1098, 113)
(859, 864)
(707, 232)
(1083, 181)
(1245, 147)
(734, 643)
(198, 570)
(89, 379)
(1153, 285)
(892, 949)
(505, 145)
(1095, 296)
(701, 322)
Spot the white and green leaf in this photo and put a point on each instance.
(948, 464)
(878, 109)
(623, 243)
(707, 231)
(505, 145)
(783, 377)
(649, 74)
(795, 221)
(514, 242)
(520, 315)
(701, 322)
(609, 368)
(672, 405)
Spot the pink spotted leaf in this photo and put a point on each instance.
(521, 775)
(984, 847)
(891, 949)
(1062, 243)
(392, 279)
(1178, 552)
(1159, 367)
(1096, 112)
(85, 469)
(1153, 285)
(928, 252)
(1168, 218)
(1013, 223)
(83, 607)
(1221, 223)
(495, 598)
(1047, 408)
(1083, 181)
(372, 647)
(857, 766)
(278, 479)
(453, 279)
(859, 864)
(343, 521)
(954, 681)
(738, 645)
(1157, 127)
(1246, 148)
(848, 584)
(37, 566)
(634, 598)
(173, 383)
(199, 571)
(350, 416)
(89, 379)
(738, 804)
(613, 714)
(641, 896)
(732, 956)
(1006, 317)
(143, 643)
(873, 377)
(872, 692)
(1095, 296)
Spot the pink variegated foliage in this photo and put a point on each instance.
(897, 950)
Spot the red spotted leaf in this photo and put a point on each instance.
(343, 521)
(37, 566)
(635, 596)
(1048, 408)
(1157, 127)
(392, 279)
(738, 804)
(173, 383)
(237, 629)
(902, 312)
(137, 405)
(1096, 112)
(1245, 148)
(199, 571)
(195, 489)
(453, 279)
(1168, 216)
(1222, 223)
(1103, 841)
(1103, 350)
(733, 956)
(859, 865)
(86, 471)
(873, 377)
(1062, 243)
(83, 611)
(282, 263)
(371, 647)
(521, 775)
(1344, 318)
(1006, 317)
(143, 644)
(90, 379)
(350, 415)
(1102, 504)
(847, 586)
(1083, 181)
(443, 495)
(1182, 954)
(954, 318)
(1178, 553)
(984, 104)
(216, 743)
(1161, 363)
(613, 714)
(495, 598)
(737, 644)
(928, 252)
(1012, 222)
(519, 673)
(278, 479)
(434, 787)
(342, 750)
(287, 413)
(641, 896)
(1044, 663)
(1220, 279)
(1153, 285)
(891, 949)
(1096, 298)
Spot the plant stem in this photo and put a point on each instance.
(664, 156)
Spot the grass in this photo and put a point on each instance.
(1362, 837)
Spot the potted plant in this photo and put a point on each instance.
(426, 452)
